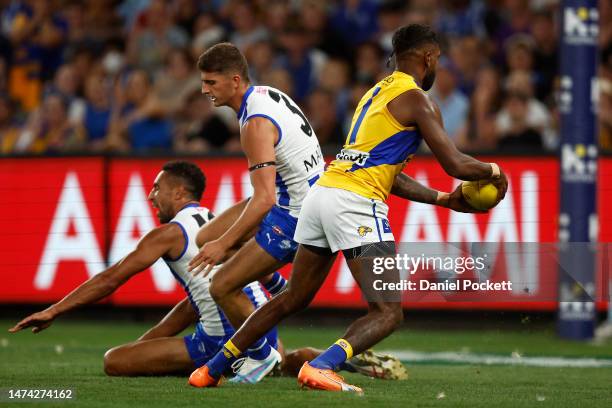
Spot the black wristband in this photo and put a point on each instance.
(262, 165)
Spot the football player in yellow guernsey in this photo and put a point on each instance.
(345, 210)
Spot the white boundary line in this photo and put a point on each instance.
(492, 359)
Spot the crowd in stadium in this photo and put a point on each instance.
(120, 76)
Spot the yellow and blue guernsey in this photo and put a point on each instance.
(377, 147)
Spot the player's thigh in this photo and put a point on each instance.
(154, 356)
(310, 269)
(216, 227)
(377, 282)
(249, 264)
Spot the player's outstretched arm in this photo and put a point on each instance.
(406, 187)
(258, 137)
(178, 319)
(151, 247)
(416, 107)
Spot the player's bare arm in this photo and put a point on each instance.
(415, 107)
(178, 319)
(258, 137)
(406, 187)
(165, 240)
(214, 228)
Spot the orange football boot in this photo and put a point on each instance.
(200, 378)
(320, 379)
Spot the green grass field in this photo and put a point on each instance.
(33, 361)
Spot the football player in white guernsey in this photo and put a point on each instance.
(284, 160)
(176, 194)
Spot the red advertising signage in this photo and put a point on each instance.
(64, 219)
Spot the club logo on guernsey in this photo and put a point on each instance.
(353, 156)
(363, 230)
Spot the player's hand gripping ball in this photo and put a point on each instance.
(481, 194)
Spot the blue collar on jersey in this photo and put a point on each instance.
(244, 99)
(189, 205)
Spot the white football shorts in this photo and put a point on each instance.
(340, 219)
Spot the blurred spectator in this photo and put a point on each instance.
(24, 74)
(276, 15)
(460, 18)
(83, 60)
(113, 59)
(201, 129)
(135, 124)
(178, 80)
(323, 118)
(95, 119)
(369, 62)
(66, 83)
(4, 67)
(512, 18)
(523, 119)
(153, 36)
(335, 78)
(605, 108)
(323, 53)
(50, 131)
(185, 14)
(206, 33)
(319, 31)
(390, 18)
(538, 114)
(519, 53)
(261, 59)
(303, 63)
(49, 34)
(129, 10)
(90, 24)
(102, 19)
(280, 79)
(10, 128)
(454, 105)
(247, 28)
(466, 53)
(355, 20)
(480, 131)
(515, 128)
(605, 26)
(545, 53)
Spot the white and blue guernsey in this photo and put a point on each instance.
(213, 328)
(299, 164)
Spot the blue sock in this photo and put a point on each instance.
(275, 285)
(331, 358)
(344, 366)
(222, 361)
(260, 349)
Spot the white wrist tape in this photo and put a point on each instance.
(495, 172)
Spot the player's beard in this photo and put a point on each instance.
(428, 80)
(163, 217)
